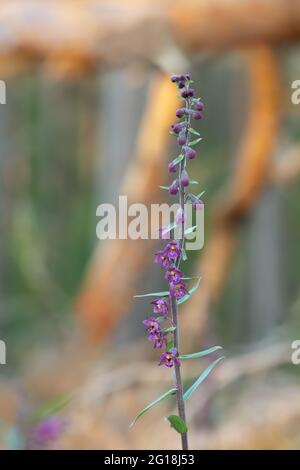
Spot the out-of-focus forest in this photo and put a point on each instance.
(88, 108)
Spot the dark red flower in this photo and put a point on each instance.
(178, 290)
(169, 358)
(174, 275)
(160, 306)
(161, 258)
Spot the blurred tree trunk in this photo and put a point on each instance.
(122, 102)
(265, 304)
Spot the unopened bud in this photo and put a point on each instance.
(174, 188)
(184, 179)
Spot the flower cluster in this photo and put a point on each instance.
(170, 256)
(193, 109)
(156, 335)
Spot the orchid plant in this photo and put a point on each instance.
(163, 325)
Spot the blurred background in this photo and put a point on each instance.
(88, 109)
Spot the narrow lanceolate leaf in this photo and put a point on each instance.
(169, 330)
(160, 319)
(194, 182)
(190, 230)
(170, 345)
(193, 131)
(200, 353)
(184, 255)
(153, 403)
(200, 194)
(195, 142)
(191, 291)
(168, 229)
(165, 187)
(178, 159)
(177, 423)
(50, 408)
(153, 294)
(201, 379)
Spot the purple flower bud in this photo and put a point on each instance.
(197, 115)
(188, 93)
(185, 93)
(172, 167)
(199, 105)
(181, 84)
(181, 138)
(180, 112)
(189, 152)
(185, 181)
(174, 188)
(177, 127)
(174, 78)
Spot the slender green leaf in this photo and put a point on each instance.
(201, 379)
(195, 142)
(200, 353)
(172, 391)
(171, 329)
(178, 159)
(190, 230)
(194, 182)
(200, 194)
(170, 345)
(160, 319)
(191, 291)
(184, 255)
(50, 408)
(165, 187)
(153, 294)
(177, 423)
(168, 228)
(193, 131)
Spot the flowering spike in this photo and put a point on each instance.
(170, 256)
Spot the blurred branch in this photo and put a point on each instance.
(219, 24)
(249, 176)
(114, 379)
(72, 37)
(116, 264)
